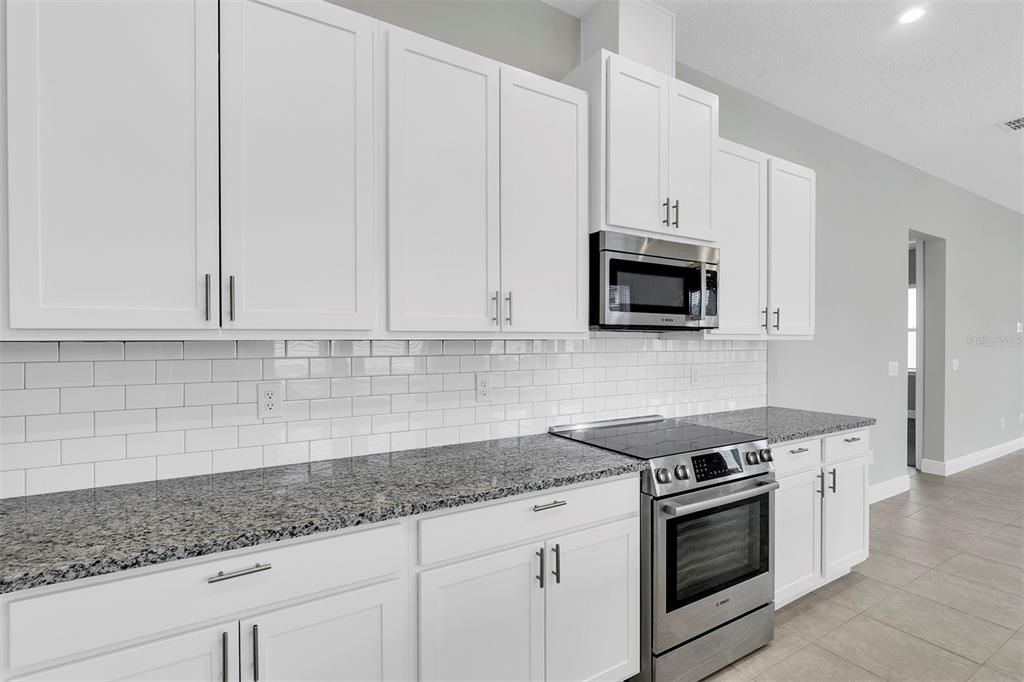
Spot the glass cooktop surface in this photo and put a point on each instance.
(658, 438)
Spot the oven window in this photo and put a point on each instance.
(714, 549)
(635, 287)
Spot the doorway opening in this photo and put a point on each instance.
(926, 352)
(914, 341)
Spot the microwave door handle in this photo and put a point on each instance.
(675, 509)
(703, 291)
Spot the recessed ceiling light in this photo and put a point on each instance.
(912, 15)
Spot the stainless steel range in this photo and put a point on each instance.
(707, 552)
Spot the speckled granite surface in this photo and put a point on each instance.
(783, 424)
(55, 538)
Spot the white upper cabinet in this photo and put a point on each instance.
(543, 204)
(443, 213)
(653, 141)
(791, 249)
(692, 148)
(741, 227)
(297, 171)
(638, 151)
(112, 164)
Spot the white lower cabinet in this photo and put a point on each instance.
(351, 636)
(207, 655)
(821, 517)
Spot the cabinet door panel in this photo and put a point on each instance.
(193, 657)
(112, 177)
(637, 163)
(483, 619)
(355, 636)
(797, 535)
(791, 208)
(442, 186)
(693, 143)
(543, 204)
(297, 153)
(740, 216)
(593, 614)
(845, 516)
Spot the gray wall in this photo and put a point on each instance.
(867, 202)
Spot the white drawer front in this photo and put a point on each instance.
(846, 445)
(476, 530)
(80, 620)
(794, 457)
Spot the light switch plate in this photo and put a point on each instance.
(1020, 327)
(894, 368)
(956, 364)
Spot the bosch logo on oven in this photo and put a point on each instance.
(722, 603)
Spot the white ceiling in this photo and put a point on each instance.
(928, 93)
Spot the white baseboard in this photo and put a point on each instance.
(973, 459)
(894, 486)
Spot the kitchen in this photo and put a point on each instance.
(295, 295)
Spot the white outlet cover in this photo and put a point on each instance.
(269, 399)
(956, 364)
(1020, 327)
(483, 388)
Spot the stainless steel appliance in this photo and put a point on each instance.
(641, 283)
(707, 553)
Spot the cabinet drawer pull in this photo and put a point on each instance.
(231, 298)
(540, 573)
(494, 300)
(508, 300)
(821, 491)
(224, 657)
(558, 564)
(765, 313)
(221, 575)
(798, 451)
(207, 313)
(778, 317)
(256, 653)
(833, 486)
(665, 221)
(549, 505)
(851, 440)
(675, 220)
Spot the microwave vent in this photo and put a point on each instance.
(1015, 125)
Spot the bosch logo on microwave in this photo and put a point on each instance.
(668, 319)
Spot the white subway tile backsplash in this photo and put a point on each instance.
(57, 374)
(29, 455)
(154, 395)
(363, 397)
(78, 450)
(24, 351)
(126, 421)
(126, 372)
(58, 426)
(92, 399)
(153, 350)
(157, 443)
(91, 350)
(12, 375)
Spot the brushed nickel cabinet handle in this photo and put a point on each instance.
(540, 574)
(549, 505)
(765, 313)
(494, 301)
(851, 440)
(558, 564)
(221, 575)
(508, 301)
(675, 208)
(231, 298)
(665, 221)
(207, 307)
(833, 486)
(778, 317)
(797, 451)
(256, 653)
(224, 657)
(821, 491)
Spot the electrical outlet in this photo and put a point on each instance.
(269, 399)
(894, 368)
(956, 364)
(1020, 327)
(483, 388)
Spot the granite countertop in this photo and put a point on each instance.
(782, 424)
(60, 537)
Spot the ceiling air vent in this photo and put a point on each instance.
(1015, 125)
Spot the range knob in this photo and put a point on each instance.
(766, 455)
(752, 457)
(662, 475)
(681, 472)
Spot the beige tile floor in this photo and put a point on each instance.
(940, 598)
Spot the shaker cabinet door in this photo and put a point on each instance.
(692, 150)
(845, 516)
(797, 535)
(483, 619)
(112, 164)
(443, 234)
(637, 163)
(791, 216)
(297, 165)
(543, 204)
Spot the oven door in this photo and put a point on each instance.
(713, 558)
(648, 291)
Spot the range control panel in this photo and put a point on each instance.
(716, 464)
(681, 473)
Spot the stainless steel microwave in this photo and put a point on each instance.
(653, 284)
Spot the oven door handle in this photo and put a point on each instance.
(673, 509)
